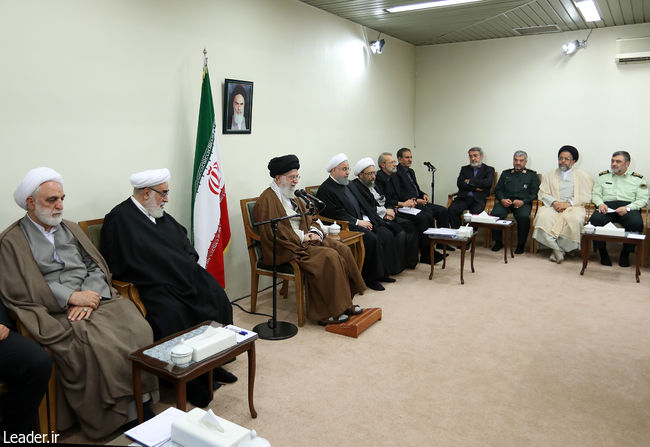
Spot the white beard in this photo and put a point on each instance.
(476, 165)
(238, 118)
(287, 189)
(45, 216)
(156, 211)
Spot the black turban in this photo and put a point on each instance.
(571, 149)
(280, 165)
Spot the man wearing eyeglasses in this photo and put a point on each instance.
(146, 246)
(405, 232)
(331, 272)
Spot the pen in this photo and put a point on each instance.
(235, 330)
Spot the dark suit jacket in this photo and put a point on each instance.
(367, 201)
(339, 207)
(4, 317)
(408, 184)
(484, 178)
(387, 185)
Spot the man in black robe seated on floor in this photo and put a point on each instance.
(146, 246)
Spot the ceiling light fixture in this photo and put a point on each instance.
(428, 5)
(588, 10)
(377, 46)
(570, 48)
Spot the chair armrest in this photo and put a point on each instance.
(345, 225)
(450, 198)
(130, 292)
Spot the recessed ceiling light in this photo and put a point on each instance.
(588, 10)
(428, 5)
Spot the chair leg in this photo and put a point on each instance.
(255, 279)
(299, 300)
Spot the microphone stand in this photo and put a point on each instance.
(274, 329)
(432, 169)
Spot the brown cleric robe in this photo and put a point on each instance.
(330, 271)
(93, 371)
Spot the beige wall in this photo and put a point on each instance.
(523, 93)
(98, 90)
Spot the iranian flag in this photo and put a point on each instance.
(210, 225)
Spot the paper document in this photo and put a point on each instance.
(609, 210)
(156, 430)
(407, 210)
(635, 236)
(503, 222)
(242, 334)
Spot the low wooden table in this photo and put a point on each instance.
(179, 376)
(354, 240)
(462, 243)
(508, 235)
(586, 246)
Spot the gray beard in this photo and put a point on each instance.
(343, 181)
(154, 210)
(288, 191)
(45, 217)
(563, 168)
(476, 165)
(238, 118)
(370, 184)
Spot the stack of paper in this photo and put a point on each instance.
(441, 232)
(157, 430)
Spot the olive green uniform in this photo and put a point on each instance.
(516, 185)
(629, 189)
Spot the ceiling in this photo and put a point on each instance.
(487, 19)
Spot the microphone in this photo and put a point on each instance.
(431, 167)
(308, 197)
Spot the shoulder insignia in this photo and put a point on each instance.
(636, 174)
(603, 173)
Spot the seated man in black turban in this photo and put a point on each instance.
(331, 273)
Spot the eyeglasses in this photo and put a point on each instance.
(565, 159)
(163, 194)
(291, 178)
(369, 174)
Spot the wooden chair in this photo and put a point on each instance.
(345, 225)
(287, 272)
(489, 205)
(47, 407)
(93, 229)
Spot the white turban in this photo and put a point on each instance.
(336, 160)
(32, 180)
(363, 164)
(152, 177)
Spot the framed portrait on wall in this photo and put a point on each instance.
(237, 106)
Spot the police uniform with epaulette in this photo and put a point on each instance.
(515, 185)
(629, 190)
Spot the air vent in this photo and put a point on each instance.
(542, 29)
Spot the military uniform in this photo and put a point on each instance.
(516, 185)
(629, 189)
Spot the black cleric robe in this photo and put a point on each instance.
(159, 259)
(342, 204)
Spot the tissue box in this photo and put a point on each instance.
(484, 219)
(210, 342)
(195, 430)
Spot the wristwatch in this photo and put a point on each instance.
(628, 209)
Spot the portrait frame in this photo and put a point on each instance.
(231, 89)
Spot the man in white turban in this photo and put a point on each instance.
(146, 246)
(405, 232)
(344, 203)
(58, 285)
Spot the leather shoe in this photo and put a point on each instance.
(198, 394)
(498, 245)
(520, 249)
(449, 247)
(222, 376)
(604, 257)
(624, 259)
(437, 257)
(387, 279)
(374, 285)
